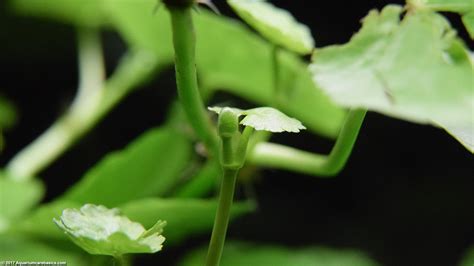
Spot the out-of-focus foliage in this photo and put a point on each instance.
(468, 259)
(277, 25)
(150, 166)
(239, 253)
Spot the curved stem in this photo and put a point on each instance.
(184, 47)
(288, 158)
(54, 141)
(82, 115)
(221, 221)
(275, 62)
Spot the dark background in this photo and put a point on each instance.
(406, 196)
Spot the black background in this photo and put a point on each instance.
(406, 196)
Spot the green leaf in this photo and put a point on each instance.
(149, 166)
(417, 70)
(18, 248)
(185, 217)
(468, 259)
(463, 7)
(8, 115)
(240, 253)
(88, 13)
(468, 21)
(265, 118)
(245, 70)
(17, 198)
(276, 24)
(39, 223)
(103, 231)
(460, 6)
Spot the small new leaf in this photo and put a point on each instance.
(265, 118)
(277, 25)
(103, 231)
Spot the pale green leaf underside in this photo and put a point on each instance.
(277, 25)
(239, 254)
(416, 70)
(103, 231)
(266, 118)
(149, 166)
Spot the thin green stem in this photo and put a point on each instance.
(221, 221)
(283, 157)
(184, 47)
(121, 261)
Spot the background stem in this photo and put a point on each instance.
(184, 47)
(219, 230)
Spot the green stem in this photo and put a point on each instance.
(221, 221)
(283, 157)
(184, 47)
(279, 97)
(83, 114)
(121, 261)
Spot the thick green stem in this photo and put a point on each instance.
(222, 217)
(283, 157)
(184, 47)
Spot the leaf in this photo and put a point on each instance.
(149, 166)
(39, 223)
(245, 70)
(240, 253)
(266, 118)
(18, 248)
(185, 217)
(276, 24)
(463, 7)
(17, 198)
(468, 21)
(88, 13)
(417, 70)
(8, 113)
(460, 6)
(468, 259)
(103, 231)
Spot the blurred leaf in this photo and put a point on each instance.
(265, 118)
(239, 253)
(460, 6)
(149, 166)
(80, 12)
(40, 224)
(17, 248)
(276, 24)
(468, 259)
(463, 7)
(417, 70)
(245, 70)
(103, 231)
(185, 217)
(8, 113)
(468, 21)
(17, 198)
(202, 183)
